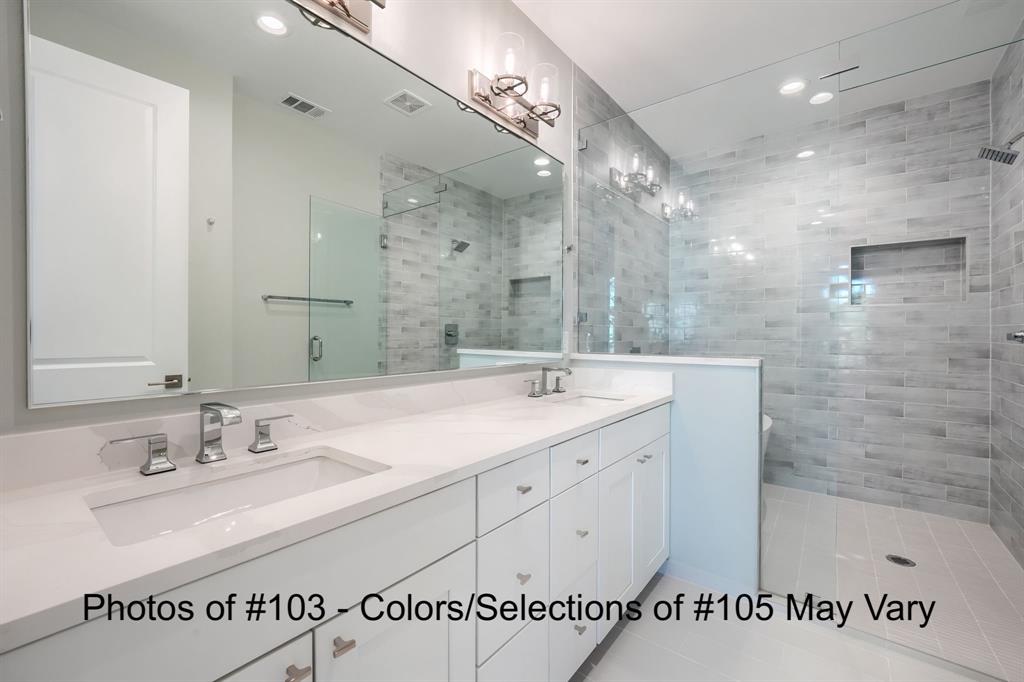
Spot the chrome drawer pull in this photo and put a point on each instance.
(523, 578)
(580, 629)
(295, 674)
(343, 646)
(641, 460)
(583, 461)
(523, 489)
(648, 456)
(583, 533)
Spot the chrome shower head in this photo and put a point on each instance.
(459, 245)
(1005, 154)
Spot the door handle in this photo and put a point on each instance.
(316, 349)
(295, 673)
(523, 578)
(343, 646)
(170, 381)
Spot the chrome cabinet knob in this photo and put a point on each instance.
(342, 646)
(523, 578)
(523, 489)
(580, 629)
(583, 461)
(296, 673)
(583, 533)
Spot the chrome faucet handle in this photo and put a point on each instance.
(157, 460)
(262, 442)
(535, 391)
(559, 388)
(544, 371)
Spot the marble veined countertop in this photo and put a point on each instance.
(53, 550)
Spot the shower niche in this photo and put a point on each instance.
(925, 271)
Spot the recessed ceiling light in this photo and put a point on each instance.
(805, 154)
(543, 173)
(271, 25)
(413, 200)
(792, 87)
(541, 161)
(821, 98)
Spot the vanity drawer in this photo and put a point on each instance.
(573, 534)
(512, 562)
(574, 460)
(572, 641)
(524, 659)
(629, 435)
(509, 490)
(293, 661)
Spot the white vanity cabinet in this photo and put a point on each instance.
(355, 647)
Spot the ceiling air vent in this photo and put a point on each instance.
(304, 106)
(407, 103)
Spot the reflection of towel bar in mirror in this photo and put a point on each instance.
(306, 299)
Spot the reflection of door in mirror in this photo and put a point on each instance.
(109, 158)
(346, 329)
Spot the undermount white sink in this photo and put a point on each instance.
(588, 400)
(137, 513)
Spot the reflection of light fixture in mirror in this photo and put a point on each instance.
(413, 200)
(805, 154)
(323, 13)
(541, 161)
(271, 24)
(683, 210)
(821, 98)
(505, 94)
(543, 173)
(639, 176)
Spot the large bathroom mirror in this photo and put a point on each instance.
(223, 195)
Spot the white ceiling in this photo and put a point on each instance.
(730, 56)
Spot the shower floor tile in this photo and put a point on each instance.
(835, 547)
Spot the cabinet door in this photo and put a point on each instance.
(616, 564)
(523, 659)
(292, 662)
(354, 648)
(651, 514)
(572, 641)
(573, 534)
(513, 564)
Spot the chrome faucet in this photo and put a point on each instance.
(211, 449)
(157, 461)
(544, 371)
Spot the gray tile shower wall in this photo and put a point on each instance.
(1007, 518)
(622, 266)
(531, 295)
(882, 396)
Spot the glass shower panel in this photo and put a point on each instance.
(347, 327)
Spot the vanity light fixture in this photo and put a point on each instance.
(323, 13)
(792, 87)
(505, 93)
(639, 176)
(683, 210)
(272, 25)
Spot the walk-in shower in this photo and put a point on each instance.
(862, 249)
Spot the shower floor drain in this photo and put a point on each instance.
(900, 560)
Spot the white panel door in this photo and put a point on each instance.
(108, 227)
(616, 580)
(352, 648)
(652, 508)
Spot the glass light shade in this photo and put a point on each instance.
(544, 83)
(636, 160)
(509, 64)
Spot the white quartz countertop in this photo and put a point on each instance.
(54, 550)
